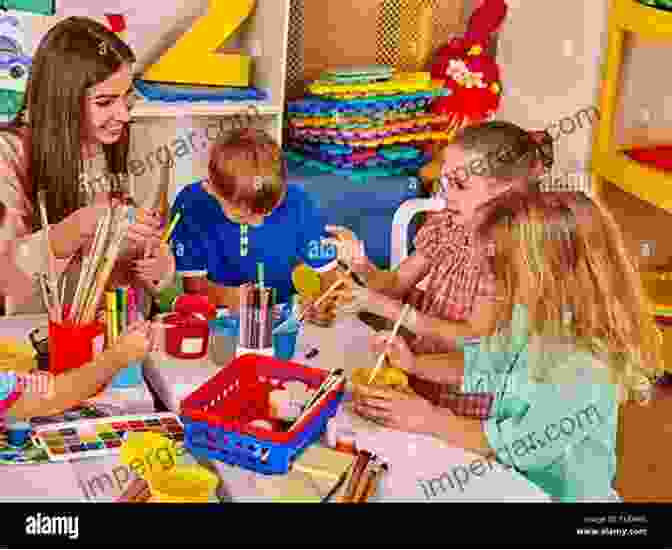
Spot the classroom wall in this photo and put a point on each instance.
(546, 78)
(551, 55)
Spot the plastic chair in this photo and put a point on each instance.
(401, 222)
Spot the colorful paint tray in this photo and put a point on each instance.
(102, 436)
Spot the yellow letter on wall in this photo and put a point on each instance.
(192, 60)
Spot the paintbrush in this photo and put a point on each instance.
(171, 227)
(84, 275)
(382, 356)
(105, 271)
(299, 318)
(317, 399)
(51, 259)
(356, 470)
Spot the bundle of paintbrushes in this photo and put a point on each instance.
(364, 478)
(123, 309)
(334, 379)
(97, 266)
(257, 303)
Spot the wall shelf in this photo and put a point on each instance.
(609, 163)
(160, 109)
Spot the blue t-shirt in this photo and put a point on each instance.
(206, 242)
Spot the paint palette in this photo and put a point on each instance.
(103, 436)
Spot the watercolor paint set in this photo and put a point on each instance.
(102, 437)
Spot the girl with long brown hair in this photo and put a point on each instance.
(572, 336)
(70, 140)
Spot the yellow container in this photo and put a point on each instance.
(183, 484)
(16, 356)
(143, 448)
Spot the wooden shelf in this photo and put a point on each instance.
(646, 183)
(161, 109)
(642, 20)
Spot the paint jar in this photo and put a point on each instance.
(284, 341)
(195, 303)
(129, 377)
(18, 432)
(188, 336)
(223, 339)
(71, 345)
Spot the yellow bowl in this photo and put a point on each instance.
(16, 356)
(183, 484)
(387, 376)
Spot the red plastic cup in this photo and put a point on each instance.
(71, 346)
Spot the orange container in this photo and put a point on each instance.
(71, 346)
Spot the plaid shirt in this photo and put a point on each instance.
(458, 275)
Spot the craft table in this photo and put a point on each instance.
(70, 481)
(416, 462)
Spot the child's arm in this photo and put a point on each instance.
(443, 368)
(395, 284)
(398, 283)
(76, 385)
(481, 322)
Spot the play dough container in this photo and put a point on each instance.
(183, 484)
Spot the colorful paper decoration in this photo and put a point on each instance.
(192, 60)
(42, 7)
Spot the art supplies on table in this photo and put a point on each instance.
(102, 437)
(220, 416)
(364, 477)
(256, 317)
(187, 335)
(28, 452)
(121, 309)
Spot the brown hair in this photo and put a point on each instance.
(240, 157)
(561, 252)
(69, 60)
(504, 151)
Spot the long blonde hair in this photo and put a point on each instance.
(561, 254)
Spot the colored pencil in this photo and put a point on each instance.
(51, 259)
(122, 309)
(132, 310)
(171, 227)
(263, 321)
(110, 322)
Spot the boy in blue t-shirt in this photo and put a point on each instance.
(246, 214)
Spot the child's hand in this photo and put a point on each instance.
(404, 411)
(158, 263)
(147, 227)
(137, 342)
(351, 299)
(399, 354)
(350, 248)
(323, 315)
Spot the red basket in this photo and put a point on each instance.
(239, 394)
